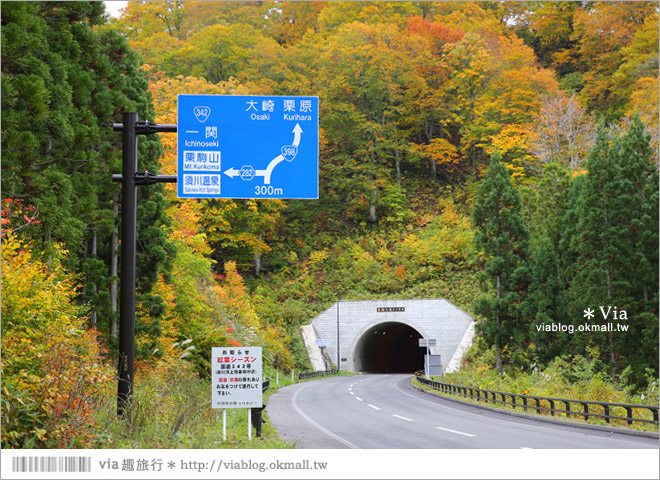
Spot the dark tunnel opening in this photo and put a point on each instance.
(390, 347)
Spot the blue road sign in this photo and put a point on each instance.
(248, 146)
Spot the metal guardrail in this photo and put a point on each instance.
(265, 385)
(547, 404)
(317, 374)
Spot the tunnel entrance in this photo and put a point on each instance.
(390, 347)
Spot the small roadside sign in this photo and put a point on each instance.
(248, 146)
(236, 373)
(322, 342)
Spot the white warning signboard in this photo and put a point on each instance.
(236, 374)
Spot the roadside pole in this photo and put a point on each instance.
(249, 424)
(224, 424)
(131, 178)
(127, 281)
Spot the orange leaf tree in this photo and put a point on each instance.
(52, 369)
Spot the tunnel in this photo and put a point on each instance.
(389, 347)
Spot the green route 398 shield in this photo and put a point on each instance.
(248, 146)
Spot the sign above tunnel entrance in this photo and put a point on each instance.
(234, 146)
(390, 309)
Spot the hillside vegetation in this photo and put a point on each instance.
(501, 155)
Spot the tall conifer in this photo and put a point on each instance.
(62, 80)
(503, 237)
(615, 247)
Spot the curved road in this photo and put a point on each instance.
(384, 411)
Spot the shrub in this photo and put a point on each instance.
(51, 365)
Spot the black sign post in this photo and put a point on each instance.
(130, 179)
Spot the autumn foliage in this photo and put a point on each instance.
(415, 98)
(52, 368)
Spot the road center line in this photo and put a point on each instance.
(402, 418)
(373, 406)
(352, 393)
(455, 431)
(358, 399)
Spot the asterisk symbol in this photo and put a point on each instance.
(171, 465)
(589, 313)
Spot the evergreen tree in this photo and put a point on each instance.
(567, 230)
(545, 303)
(639, 194)
(503, 237)
(600, 254)
(62, 80)
(615, 248)
(549, 204)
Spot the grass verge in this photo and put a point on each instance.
(173, 410)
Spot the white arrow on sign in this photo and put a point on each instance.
(297, 134)
(232, 172)
(297, 131)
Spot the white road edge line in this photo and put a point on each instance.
(373, 406)
(527, 427)
(455, 431)
(402, 418)
(316, 425)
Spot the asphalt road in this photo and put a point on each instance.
(384, 411)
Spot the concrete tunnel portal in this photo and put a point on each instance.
(389, 347)
(382, 336)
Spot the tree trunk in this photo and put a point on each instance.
(95, 289)
(257, 260)
(114, 262)
(397, 165)
(372, 206)
(429, 131)
(498, 345)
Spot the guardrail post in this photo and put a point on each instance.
(524, 399)
(538, 405)
(654, 411)
(568, 408)
(586, 411)
(630, 415)
(257, 420)
(606, 408)
(552, 407)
